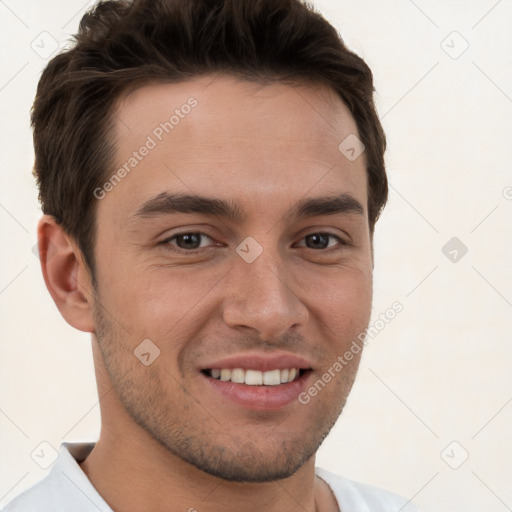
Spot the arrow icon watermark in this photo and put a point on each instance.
(146, 352)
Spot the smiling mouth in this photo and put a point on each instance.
(255, 377)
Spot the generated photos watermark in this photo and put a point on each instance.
(357, 345)
(152, 141)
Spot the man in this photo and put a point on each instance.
(210, 173)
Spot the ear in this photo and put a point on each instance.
(65, 274)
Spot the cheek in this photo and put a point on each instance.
(343, 304)
(153, 300)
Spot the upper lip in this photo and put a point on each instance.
(259, 361)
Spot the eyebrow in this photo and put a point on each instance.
(342, 203)
(166, 203)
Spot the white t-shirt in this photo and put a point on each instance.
(66, 488)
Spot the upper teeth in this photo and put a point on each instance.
(255, 377)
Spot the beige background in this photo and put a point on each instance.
(440, 371)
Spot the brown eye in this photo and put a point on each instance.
(320, 241)
(317, 241)
(188, 241)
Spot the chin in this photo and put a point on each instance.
(250, 468)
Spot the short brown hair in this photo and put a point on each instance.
(123, 44)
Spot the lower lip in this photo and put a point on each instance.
(260, 397)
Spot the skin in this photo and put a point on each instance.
(183, 445)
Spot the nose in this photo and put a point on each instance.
(261, 296)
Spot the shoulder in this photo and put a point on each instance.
(64, 488)
(359, 497)
(42, 496)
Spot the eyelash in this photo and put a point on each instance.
(341, 243)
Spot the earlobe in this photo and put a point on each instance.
(65, 274)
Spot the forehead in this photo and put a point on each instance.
(224, 136)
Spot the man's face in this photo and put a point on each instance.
(271, 271)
